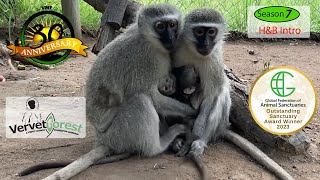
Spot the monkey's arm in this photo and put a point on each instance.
(200, 123)
(167, 106)
(102, 109)
(107, 119)
(214, 112)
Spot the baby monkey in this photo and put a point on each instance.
(182, 84)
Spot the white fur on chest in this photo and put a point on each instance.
(209, 68)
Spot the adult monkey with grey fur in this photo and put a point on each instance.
(123, 89)
(155, 39)
(200, 45)
(188, 80)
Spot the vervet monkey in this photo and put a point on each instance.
(200, 45)
(119, 75)
(122, 91)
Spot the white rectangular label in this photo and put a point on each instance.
(45, 117)
(295, 27)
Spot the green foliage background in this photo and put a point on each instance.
(14, 12)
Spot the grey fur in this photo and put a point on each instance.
(117, 76)
(123, 96)
(213, 119)
(215, 106)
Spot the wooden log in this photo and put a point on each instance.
(71, 9)
(106, 34)
(129, 15)
(5, 54)
(111, 21)
(114, 13)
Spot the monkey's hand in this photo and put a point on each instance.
(197, 148)
(182, 147)
(177, 144)
(167, 85)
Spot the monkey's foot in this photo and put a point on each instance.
(197, 148)
(183, 150)
(180, 147)
(177, 145)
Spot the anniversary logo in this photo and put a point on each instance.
(47, 37)
(283, 100)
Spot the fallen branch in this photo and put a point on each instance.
(5, 54)
(30, 62)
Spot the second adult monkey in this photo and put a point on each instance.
(200, 45)
(170, 88)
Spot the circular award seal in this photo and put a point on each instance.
(283, 100)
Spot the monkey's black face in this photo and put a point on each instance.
(168, 32)
(205, 37)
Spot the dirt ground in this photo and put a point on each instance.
(225, 161)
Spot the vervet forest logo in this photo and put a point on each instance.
(47, 37)
(283, 100)
(45, 117)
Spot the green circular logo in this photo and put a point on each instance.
(283, 100)
(278, 84)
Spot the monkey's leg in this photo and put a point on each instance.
(163, 125)
(79, 165)
(168, 138)
(107, 120)
(257, 154)
(136, 129)
(170, 107)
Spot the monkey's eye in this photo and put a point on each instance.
(199, 32)
(212, 32)
(173, 24)
(160, 26)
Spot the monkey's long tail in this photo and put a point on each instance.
(51, 165)
(201, 167)
(257, 154)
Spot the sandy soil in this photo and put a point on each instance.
(225, 161)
